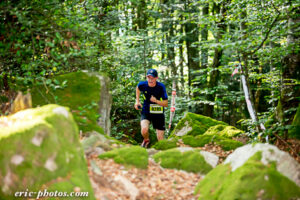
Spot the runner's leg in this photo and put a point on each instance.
(145, 128)
(160, 134)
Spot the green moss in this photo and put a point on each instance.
(59, 141)
(201, 140)
(81, 95)
(253, 180)
(191, 161)
(224, 131)
(294, 132)
(210, 186)
(134, 155)
(169, 159)
(165, 144)
(228, 144)
(199, 124)
(198, 141)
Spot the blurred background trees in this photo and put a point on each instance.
(196, 43)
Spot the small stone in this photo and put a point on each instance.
(210, 158)
(77, 189)
(17, 159)
(266, 178)
(38, 138)
(50, 164)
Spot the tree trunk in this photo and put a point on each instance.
(291, 70)
(141, 15)
(213, 80)
(192, 37)
(181, 57)
(204, 37)
(171, 49)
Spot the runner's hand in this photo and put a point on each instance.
(153, 99)
(137, 106)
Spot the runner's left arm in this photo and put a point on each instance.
(163, 103)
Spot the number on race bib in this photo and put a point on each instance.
(156, 109)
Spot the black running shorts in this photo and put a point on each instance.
(157, 120)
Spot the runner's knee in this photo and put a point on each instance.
(160, 134)
(144, 130)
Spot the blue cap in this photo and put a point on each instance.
(152, 72)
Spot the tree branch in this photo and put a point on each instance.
(266, 36)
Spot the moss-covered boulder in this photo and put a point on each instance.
(253, 180)
(86, 94)
(224, 131)
(200, 140)
(253, 172)
(294, 132)
(189, 160)
(40, 150)
(194, 124)
(133, 155)
(165, 144)
(94, 139)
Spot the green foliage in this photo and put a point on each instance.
(191, 161)
(40, 39)
(134, 155)
(124, 38)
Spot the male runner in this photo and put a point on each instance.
(155, 98)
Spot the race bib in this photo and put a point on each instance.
(156, 109)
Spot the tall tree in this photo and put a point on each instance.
(192, 40)
(218, 51)
(290, 92)
(204, 37)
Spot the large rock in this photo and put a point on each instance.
(200, 140)
(40, 150)
(198, 130)
(134, 156)
(95, 143)
(85, 93)
(224, 131)
(258, 171)
(165, 144)
(186, 158)
(194, 124)
(285, 164)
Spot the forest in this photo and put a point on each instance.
(196, 44)
(236, 61)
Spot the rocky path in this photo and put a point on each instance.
(112, 181)
(118, 182)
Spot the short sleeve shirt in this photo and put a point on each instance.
(158, 91)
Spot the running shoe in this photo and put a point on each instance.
(145, 143)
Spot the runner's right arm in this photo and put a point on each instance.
(137, 99)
